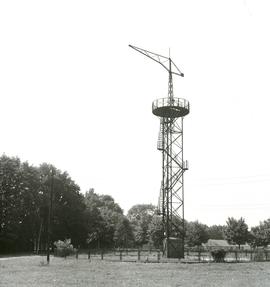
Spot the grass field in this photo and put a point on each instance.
(31, 271)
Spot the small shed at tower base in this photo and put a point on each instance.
(173, 247)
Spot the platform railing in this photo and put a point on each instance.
(166, 102)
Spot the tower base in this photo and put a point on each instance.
(173, 248)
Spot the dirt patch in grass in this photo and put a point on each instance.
(33, 271)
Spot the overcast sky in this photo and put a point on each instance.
(74, 94)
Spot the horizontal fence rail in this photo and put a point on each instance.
(232, 255)
(192, 255)
(131, 255)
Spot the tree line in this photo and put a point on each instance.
(236, 232)
(90, 220)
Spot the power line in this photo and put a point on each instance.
(233, 180)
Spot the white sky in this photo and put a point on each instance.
(75, 95)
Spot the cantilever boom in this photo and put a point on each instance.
(158, 58)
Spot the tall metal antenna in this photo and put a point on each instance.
(171, 112)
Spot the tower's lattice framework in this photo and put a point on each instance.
(171, 112)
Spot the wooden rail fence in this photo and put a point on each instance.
(155, 255)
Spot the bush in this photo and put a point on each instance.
(64, 248)
(259, 255)
(218, 255)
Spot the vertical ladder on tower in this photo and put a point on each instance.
(160, 142)
(160, 200)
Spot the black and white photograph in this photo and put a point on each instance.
(134, 147)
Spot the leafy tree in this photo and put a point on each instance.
(123, 235)
(236, 231)
(140, 216)
(24, 205)
(196, 233)
(68, 210)
(31, 199)
(10, 202)
(216, 232)
(260, 235)
(68, 206)
(112, 214)
(178, 228)
(105, 215)
(156, 231)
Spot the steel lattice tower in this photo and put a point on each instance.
(171, 112)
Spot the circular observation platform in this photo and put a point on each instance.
(167, 108)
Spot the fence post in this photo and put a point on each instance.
(158, 256)
(89, 254)
(199, 255)
(101, 254)
(236, 258)
(120, 255)
(139, 254)
(77, 254)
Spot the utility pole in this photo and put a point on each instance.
(50, 213)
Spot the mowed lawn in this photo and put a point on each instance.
(31, 271)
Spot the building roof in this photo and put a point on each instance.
(217, 243)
